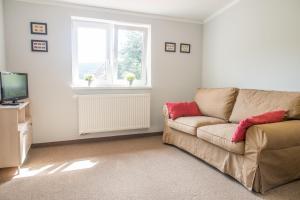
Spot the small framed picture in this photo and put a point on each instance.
(38, 28)
(185, 48)
(39, 45)
(170, 47)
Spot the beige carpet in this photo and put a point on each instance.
(130, 169)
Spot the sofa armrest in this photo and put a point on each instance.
(273, 136)
(165, 112)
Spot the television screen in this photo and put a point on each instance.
(14, 86)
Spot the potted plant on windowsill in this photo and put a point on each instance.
(130, 77)
(89, 78)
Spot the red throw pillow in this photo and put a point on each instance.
(183, 109)
(269, 117)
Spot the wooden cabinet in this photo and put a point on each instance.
(15, 134)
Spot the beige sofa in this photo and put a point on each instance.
(270, 155)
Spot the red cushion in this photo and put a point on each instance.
(269, 117)
(182, 109)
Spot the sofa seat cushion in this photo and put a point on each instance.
(190, 124)
(220, 135)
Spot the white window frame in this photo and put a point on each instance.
(112, 53)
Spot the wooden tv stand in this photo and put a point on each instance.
(15, 134)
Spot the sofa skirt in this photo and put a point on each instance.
(240, 167)
(257, 170)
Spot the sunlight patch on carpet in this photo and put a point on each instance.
(27, 172)
(84, 164)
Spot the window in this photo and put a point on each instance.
(110, 53)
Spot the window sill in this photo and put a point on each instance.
(111, 88)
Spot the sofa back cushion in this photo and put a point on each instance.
(217, 102)
(255, 102)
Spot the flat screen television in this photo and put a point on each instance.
(14, 86)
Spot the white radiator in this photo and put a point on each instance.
(113, 112)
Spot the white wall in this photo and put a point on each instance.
(2, 43)
(254, 44)
(175, 76)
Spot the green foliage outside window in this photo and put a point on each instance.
(130, 55)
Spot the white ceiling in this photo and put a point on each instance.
(195, 10)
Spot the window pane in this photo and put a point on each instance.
(92, 52)
(130, 53)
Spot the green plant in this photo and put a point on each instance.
(89, 77)
(130, 76)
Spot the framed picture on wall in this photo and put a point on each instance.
(185, 48)
(38, 28)
(170, 47)
(39, 45)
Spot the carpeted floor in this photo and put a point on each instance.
(133, 169)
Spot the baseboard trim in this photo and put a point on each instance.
(100, 139)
